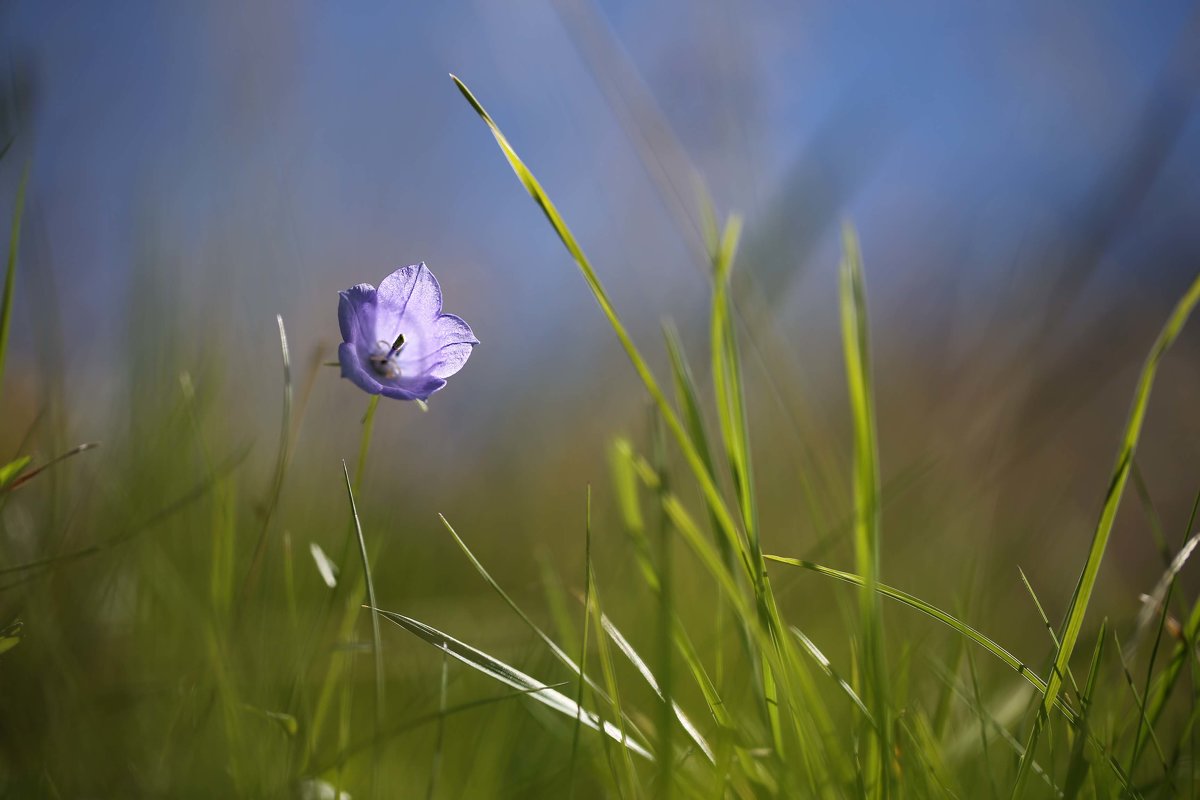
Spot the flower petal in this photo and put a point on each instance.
(353, 369)
(416, 388)
(410, 291)
(356, 313)
(449, 360)
(451, 329)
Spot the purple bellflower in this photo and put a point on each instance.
(395, 339)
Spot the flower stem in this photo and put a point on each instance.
(364, 444)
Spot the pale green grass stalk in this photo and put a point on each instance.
(1091, 568)
(376, 640)
(867, 517)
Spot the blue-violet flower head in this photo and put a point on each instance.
(395, 339)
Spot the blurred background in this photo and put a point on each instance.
(1025, 179)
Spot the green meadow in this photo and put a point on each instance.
(751, 595)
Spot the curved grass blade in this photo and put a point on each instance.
(941, 616)
(827, 667)
(1091, 568)
(709, 488)
(644, 670)
(17, 482)
(557, 651)
(511, 676)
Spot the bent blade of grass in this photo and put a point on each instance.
(1046, 623)
(20, 480)
(643, 669)
(510, 676)
(10, 273)
(712, 494)
(728, 528)
(827, 667)
(1091, 568)
(867, 522)
(986, 719)
(557, 651)
(950, 621)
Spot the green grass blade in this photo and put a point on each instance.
(712, 494)
(583, 646)
(10, 471)
(643, 669)
(1078, 767)
(18, 481)
(10, 274)
(1045, 622)
(855, 339)
(555, 649)
(512, 677)
(1091, 568)
(608, 670)
(728, 387)
(827, 667)
(930, 610)
(1139, 702)
(376, 639)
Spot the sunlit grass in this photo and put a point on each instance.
(256, 672)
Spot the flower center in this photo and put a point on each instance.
(383, 360)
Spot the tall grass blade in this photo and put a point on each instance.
(1091, 568)
(712, 494)
(511, 676)
(376, 639)
(856, 344)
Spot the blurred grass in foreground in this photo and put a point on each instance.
(207, 636)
